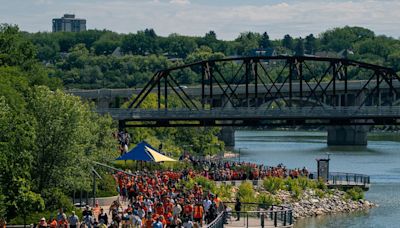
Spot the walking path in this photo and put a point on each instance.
(252, 222)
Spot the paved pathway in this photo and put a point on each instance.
(251, 222)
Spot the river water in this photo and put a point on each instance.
(295, 149)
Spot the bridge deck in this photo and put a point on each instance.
(323, 115)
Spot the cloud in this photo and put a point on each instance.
(180, 2)
(226, 17)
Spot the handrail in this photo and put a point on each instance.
(353, 112)
(218, 222)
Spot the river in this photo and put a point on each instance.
(380, 159)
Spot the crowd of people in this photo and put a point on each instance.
(160, 200)
(61, 220)
(229, 171)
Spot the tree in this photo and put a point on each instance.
(67, 134)
(310, 45)
(265, 42)
(339, 39)
(27, 201)
(287, 42)
(141, 43)
(14, 49)
(16, 143)
(299, 49)
(247, 42)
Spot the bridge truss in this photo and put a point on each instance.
(270, 84)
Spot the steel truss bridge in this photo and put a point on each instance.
(279, 90)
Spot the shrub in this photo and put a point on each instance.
(246, 192)
(355, 193)
(107, 186)
(200, 180)
(224, 192)
(319, 193)
(55, 199)
(292, 185)
(322, 185)
(267, 200)
(296, 191)
(205, 183)
(305, 183)
(273, 184)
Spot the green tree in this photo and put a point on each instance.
(299, 49)
(67, 134)
(265, 42)
(14, 49)
(310, 44)
(247, 42)
(287, 42)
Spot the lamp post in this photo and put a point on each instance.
(239, 151)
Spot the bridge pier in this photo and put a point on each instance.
(227, 135)
(347, 136)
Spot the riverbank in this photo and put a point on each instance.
(313, 204)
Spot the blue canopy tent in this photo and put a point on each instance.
(143, 152)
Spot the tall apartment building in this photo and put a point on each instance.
(68, 23)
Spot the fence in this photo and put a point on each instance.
(263, 216)
(336, 179)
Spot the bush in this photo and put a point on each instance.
(106, 186)
(200, 180)
(205, 183)
(322, 185)
(305, 183)
(267, 200)
(273, 184)
(224, 192)
(355, 193)
(319, 193)
(55, 199)
(246, 192)
(292, 185)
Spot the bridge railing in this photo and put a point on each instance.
(320, 112)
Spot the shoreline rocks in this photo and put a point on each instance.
(310, 204)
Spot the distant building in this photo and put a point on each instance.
(68, 23)
(264, 52)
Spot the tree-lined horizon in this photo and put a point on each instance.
(86, 60)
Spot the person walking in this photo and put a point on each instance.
(42, 223)
(103, 216)
(198, 213)
(88, 220)
(73, 220)
(238, 208)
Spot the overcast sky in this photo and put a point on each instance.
(196, 17)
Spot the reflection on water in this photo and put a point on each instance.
(380, 160)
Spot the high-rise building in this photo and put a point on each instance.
(68, 23)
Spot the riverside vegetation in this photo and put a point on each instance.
(307, 197)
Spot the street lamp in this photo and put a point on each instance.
(239, 151)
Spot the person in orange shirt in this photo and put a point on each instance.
(53, 223)
(160, 208)
(148, 221)
(163, 221)
(198, 213)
